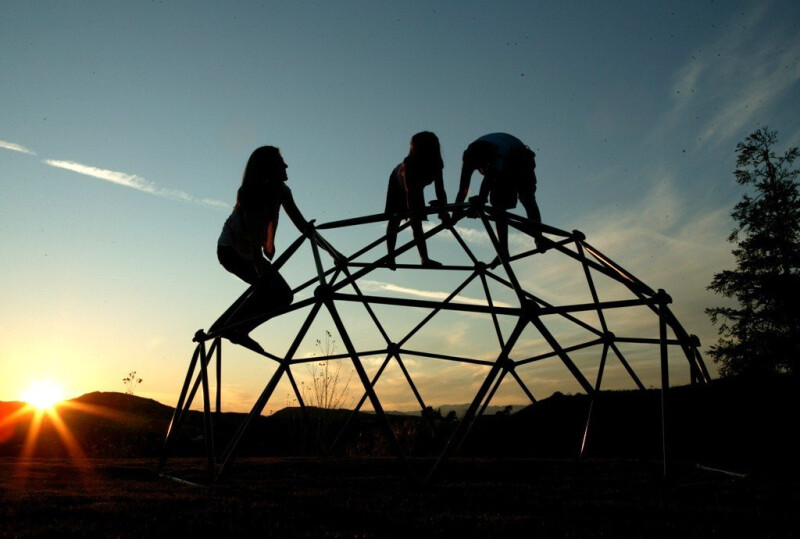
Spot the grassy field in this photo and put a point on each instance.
(312, 497)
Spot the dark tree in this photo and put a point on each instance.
(761, 334)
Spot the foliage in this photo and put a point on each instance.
(425, 435)
(760, 335)
(131, 381)
(505, 412)
(327, 392)
(328, 389)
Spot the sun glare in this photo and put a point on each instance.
(43, 394)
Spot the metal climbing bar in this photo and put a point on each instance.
(334, 282)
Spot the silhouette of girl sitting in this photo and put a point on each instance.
(249, 234)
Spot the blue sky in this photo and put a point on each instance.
(125, 129)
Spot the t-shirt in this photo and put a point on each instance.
(257, 226)
(405, 193)
(504, 144)
(234, 234)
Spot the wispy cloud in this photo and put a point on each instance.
(771, 75)
(381, 286)
(120, 178)
(477, 235)
(15, 147)
(730, 82)
(215, 203)
(128, 180)
(658, 240)
(134, 182)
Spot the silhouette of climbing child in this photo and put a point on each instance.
(249, 234)
(508, 169)
(405, 198)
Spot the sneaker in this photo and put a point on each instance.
(241, 338)
(431, 264)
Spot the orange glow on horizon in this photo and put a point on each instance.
(44, 407)
(51, 414)
(43, 395)
(37, 418)
(35, 415)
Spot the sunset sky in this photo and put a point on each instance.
(125, 128)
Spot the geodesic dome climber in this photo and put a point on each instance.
(486, 322)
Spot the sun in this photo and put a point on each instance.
(43, 394)
(44, 400)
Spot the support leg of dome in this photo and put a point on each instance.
(362, 374)
(175, 422)
(283, 366)
(465, 425)
(665, 438)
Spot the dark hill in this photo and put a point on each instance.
(123, 402)
(101, 425)
(737, 424)
(730, 423)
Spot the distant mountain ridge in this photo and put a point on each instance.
(461, 409)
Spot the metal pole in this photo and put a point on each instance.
(603, 358)
(662, 325)
(481, 270)
(218, 344)
(230, 452)
(442, 305)
(362, 374)
(523, 386)
(465, 424)
(536, 321)
(494, 389)
(208, 428)
(175, 422)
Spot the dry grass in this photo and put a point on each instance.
(309, 497)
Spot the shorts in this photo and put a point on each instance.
(403, 202)
(234, 263)
(517, 180)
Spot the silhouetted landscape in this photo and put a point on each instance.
(732, 470)
(730, 423)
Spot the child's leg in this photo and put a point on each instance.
(422, 247)
(391, 240)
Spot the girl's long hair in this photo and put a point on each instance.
(425, 152)
(258, 174)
